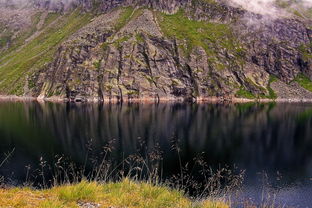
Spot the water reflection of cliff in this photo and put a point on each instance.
(253, 136)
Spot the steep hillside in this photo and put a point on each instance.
(35, 47)
(141, 49)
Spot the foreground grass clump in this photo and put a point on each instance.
(126, 193)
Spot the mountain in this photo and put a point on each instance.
(154, 49)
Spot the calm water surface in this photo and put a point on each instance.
(275, 139)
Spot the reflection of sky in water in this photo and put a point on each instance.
(262, 137)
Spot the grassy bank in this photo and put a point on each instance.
(126, 193)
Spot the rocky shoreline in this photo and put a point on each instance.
(14, 98)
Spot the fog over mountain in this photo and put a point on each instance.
(271, 7)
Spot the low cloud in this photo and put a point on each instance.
(265, 7)
(272, 8)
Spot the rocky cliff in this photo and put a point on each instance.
(153, 49)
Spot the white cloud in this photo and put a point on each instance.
(265, 7)
(269, 7)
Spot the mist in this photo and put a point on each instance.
(273, 8)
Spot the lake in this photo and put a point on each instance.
(271, 142)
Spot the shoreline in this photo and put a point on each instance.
(15, 98)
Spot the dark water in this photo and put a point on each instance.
(275, 139)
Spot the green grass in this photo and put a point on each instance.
(305, 52)
(304, 82)
(35, 54)
(124, 18)
(118, 43)
(126, 193)
(208, 35)
(243, 93)
(139, 38)
(272, 94)
(50, 18)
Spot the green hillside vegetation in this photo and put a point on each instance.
(18, 63)
(304, 82)
(208, 35)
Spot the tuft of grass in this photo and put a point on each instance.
(304, 82)
(126, 193)
(214, 204)
(81, 191)
(139, 37)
